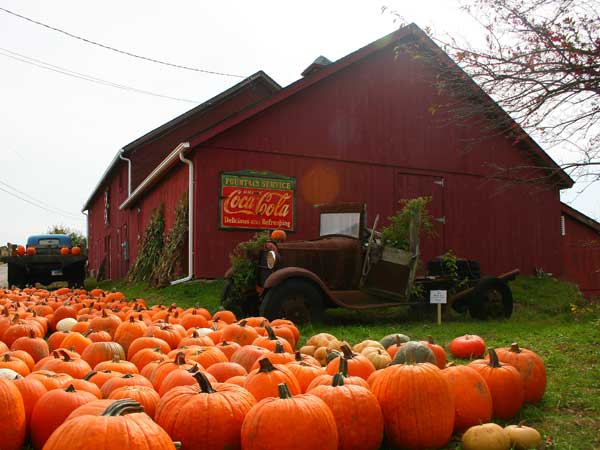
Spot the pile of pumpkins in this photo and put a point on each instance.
(91, 371)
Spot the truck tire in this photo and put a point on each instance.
(295, 299)
(248, 306)
(491, 299)
(16, 276)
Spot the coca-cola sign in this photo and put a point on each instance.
(257, 200)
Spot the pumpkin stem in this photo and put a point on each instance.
(122, 407)
(195, 334)
(65, 355)
(87, 332)
(131, 319)
(116, 358)
(71, 388)
(242, 323)
(338, 380)
(284, 392)
(278, 347)
(194, 368)
(521, 423)
(514, 348)
(430, 339)
(343, 369)
(410, 356)
(205, 385)
(6, 357)
(298, 356)
(347, 352)
(266, 365)
(270, 333)
(104, 314)
(494, 362)
(180, 358)
(89, 375)
(31, 333)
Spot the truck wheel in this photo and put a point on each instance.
(16, 276)
(294, 299)
(491, 299)
(247, 305)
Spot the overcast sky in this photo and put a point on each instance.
(58, 133)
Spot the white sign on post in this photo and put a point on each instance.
(438, 297)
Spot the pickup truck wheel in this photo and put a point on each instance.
(16, 276)
(294, 299)
(491, 299)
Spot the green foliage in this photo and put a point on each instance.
(244, 262)
(204, 293)
(90, 283)
(151, 247)
(172, 258)
(78, 239)
(450, 262)
(397, 234)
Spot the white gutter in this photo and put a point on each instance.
(128, 171)
(190, 219)
(155, 174)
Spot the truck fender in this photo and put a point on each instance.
(279, 276)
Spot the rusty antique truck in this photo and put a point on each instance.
(347, 266)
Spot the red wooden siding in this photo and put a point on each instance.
(146, 157)
(581, 250)
(365, 133)
(365, 127)
(129, 225)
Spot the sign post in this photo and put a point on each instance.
(439, 298)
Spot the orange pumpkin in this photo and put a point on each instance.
(64, 251)
(12, 416)
(30, 251)
(121, 415)
(306, 419)
(278, 235)
(205, 416)
(76, 251)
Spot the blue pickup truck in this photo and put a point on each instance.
(47, 265)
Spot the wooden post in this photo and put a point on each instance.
(439, 313)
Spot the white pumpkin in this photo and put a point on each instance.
(9, 374)
(66, 324)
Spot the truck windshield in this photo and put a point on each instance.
(340, 223)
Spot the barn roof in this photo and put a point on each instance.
(580, 217)
(312, 76)
(411, 31)
(178, 121)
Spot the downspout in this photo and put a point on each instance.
(190, 216)
(128, 171)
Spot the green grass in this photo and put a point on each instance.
(550, 317)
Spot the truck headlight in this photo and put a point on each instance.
(271, 259)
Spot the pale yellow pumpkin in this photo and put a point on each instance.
(488, 436)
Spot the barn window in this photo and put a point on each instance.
(562, 226)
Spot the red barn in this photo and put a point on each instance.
(356, 130)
